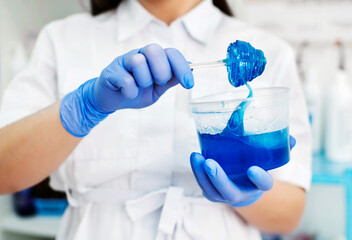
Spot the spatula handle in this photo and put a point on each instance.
(207, 64)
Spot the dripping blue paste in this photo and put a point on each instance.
(232, 148)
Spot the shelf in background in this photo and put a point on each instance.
(327, 172)
(46, 227)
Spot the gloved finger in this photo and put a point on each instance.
(260, 178)
(292, 142)
(222, 183)
(158, 63)
(197, 163)
(138, 66)
(115, 77)
(160, 90)
(180, 67)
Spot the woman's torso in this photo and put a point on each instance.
(146, 150)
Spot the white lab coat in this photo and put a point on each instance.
(130, 178)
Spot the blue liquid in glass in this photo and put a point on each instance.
(236, 153)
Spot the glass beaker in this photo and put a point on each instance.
(240, 132)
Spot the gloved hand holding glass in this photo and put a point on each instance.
(134, 80)
(218, 187)
(241, 138)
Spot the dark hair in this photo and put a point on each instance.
(100, 6)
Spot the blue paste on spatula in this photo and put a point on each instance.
(244, 63)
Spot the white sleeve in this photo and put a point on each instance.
(35, 87)
(298, 170)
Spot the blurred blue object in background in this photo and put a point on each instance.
(23, 203)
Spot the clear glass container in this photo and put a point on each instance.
(240, 132)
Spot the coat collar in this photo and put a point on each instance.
(200, 23)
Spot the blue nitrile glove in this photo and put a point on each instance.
(134, 80)
(292, 142)
(217, 187)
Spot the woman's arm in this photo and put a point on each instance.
(278, 211)
(32, 148)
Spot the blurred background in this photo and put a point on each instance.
(320, 32)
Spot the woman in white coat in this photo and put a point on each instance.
(130, 177)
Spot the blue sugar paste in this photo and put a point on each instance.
(244, 63)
